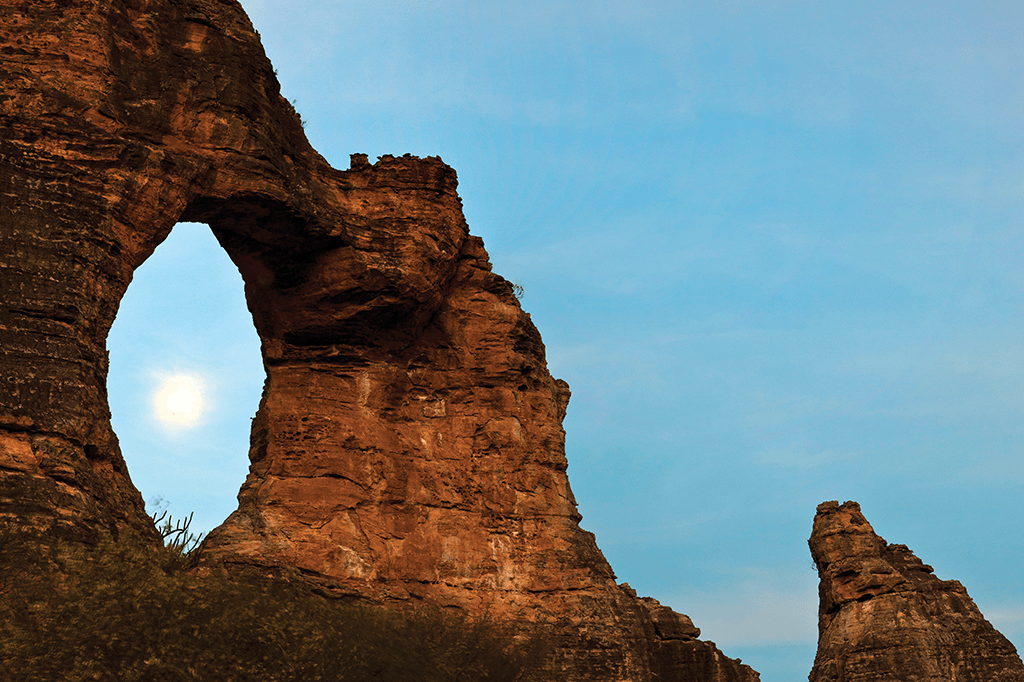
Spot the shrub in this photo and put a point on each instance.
(129, 611)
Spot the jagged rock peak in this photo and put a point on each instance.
(883, 615)
(677, 654)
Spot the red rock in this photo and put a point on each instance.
(409, 441)
(884, 615)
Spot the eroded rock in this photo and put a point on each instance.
(884, 615)
(408, 445)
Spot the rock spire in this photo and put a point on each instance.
(885, 616)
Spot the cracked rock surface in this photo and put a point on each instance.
(409, 442)
(884, 615)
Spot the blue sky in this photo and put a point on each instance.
(774, 247)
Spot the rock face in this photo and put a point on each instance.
(883, 614)
(408, 444)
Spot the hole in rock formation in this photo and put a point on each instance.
(185, 378)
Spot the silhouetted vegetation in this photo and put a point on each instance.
(181, 544)
(129, 611)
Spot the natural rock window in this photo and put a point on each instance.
(185, 377)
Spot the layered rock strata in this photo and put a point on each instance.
(408, 445)
(884, 615)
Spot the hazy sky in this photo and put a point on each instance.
(774, 247)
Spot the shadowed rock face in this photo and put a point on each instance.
(408, 444)
(883, 614)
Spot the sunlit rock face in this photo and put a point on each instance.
(884, 615)
(409, 442)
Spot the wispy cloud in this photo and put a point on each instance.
(798, 457)
(760, 607)
(1007, 618)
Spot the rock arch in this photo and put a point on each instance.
(409, 440)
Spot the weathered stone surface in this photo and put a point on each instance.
(884, 615)
(678, 655)
(408, 444)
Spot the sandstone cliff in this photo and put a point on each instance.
(408, 445)
(884, 615)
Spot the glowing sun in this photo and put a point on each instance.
(179, 400)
